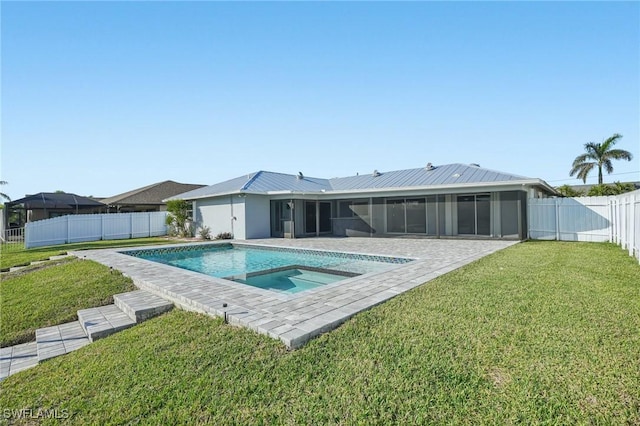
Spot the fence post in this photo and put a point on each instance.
(557, 208)
(610, 218)
(618, 220)
(632, 224)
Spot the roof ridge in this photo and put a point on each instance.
(132, 192)
(251, 180)
(493, 170)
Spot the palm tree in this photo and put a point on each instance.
(601, 154)
(2, 194)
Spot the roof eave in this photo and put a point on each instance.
(483, 185)
(200, 197)
(470, 185)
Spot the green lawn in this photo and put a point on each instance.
(22, 256)
(52, 295)
(541, 332)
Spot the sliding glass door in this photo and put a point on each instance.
(317, 213)
(407, 216)
(474, 214)
(416, 216)
(395, 216)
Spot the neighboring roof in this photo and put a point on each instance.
(151, 194)
(55, 200)
(448, 175)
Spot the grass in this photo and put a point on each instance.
(52, 295)
(21, 256)
(541, 332)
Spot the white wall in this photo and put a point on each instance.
(217, 214)
(257, 216)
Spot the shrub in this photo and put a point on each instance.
(568, 191)
(205, 233)
(179, 217)
(615, 189)
(224, 236)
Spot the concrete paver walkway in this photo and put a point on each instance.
(294, 319)
(17, 358)
(94, 323)
(60, 339)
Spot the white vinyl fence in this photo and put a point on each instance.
(614, 218)
(94, 227)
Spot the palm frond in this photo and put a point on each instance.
(592, 149)
(610, 141)
(581, 159)
(620, 154)
(5, 196)
(582, 170)
(601, 154)
(607, 165)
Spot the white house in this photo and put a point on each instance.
(434, 201)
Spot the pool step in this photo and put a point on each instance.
(141, 305)
(59, 340)
(93, 324)
(103, 321)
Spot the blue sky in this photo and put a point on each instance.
(101, 97)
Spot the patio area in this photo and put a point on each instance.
(295, 319)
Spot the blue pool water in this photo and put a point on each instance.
(291, 280)
(235, 261)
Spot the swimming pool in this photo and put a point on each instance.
(274, 268)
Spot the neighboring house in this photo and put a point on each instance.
(45, 205)
(148, 198)
(448, 200)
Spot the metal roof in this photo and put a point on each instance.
(227, 187)
(264, 182)
(449, 174)
(272, 182)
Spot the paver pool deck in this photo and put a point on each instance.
(297, 318)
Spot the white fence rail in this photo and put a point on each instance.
(94, 227)
(614, 218)
(11, 239)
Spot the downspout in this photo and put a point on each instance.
(317, 218)
(437, 216)
(370, 217)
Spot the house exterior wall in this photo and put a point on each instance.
(257, 222)
(503, 214)
(218, 214)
